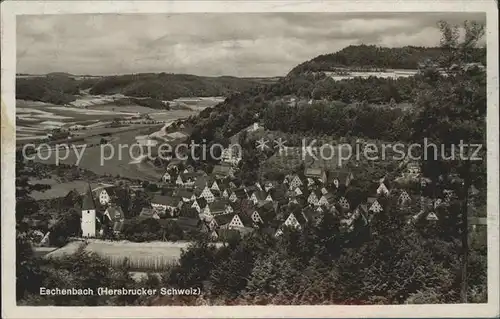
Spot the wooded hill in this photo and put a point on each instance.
(60, 88)
(374, 57)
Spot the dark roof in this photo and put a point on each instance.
(115, 212)
(240, 193)
(246, 220)
(301, 218)
(265, 205)
(202, 202)
(201, 182)
(111, 190)
(313, 172)
(166, 200)
(147, 212)
(181, 192)
(278, 193)
(341, 175)
(193, 175)
(174, 161)
(222, 170)
(225, 234)
(186, 223)
(217, 206)
(252, 188)
(223, 219)
(268, 214)
(189, 212)
(88, 200)
(261, 195)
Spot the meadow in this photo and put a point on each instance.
(156, 255)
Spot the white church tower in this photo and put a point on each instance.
(89, 217)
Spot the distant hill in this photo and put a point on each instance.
(166, 86)
(62, 88)
(371, 56)
(57, 88)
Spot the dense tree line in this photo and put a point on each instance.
(64, 88)
(375, 57)
(392, 263)
(56, 89)
(166, 86)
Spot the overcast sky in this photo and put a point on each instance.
(210, 44)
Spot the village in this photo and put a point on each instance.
(220, 207)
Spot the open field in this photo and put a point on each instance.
(118, 164)
(198, 103)
(36, 119)
(58, 189)
(141, 256)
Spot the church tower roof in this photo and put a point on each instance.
(88, 200)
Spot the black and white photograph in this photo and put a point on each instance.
(287, 157)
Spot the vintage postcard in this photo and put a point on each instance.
(199, 159)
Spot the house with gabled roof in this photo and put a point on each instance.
(166, 204)
(327, 200)
(295, 182)
(287, 179)
(297, 191)
(114, 213)
(339, 178)
(265, 213)
(223, 220)
(295, 220)
(167, 177)
(278, 193)
(232, 197)
(189, 178)
(404, 198)
(231, 155)
(324, 191)
(215, 208)
(208, 195)
(310, 182)
(174, 165)
(268, 186)
(196, 206)
(214, 186)
(179, 181)
(316, 174)
(223, 171)
(344, 203)
(382, 189)
(185, 194)
(313, 198)
(413, 168)
(373, 205)
(105, 194)
(312, 215)
(147, 212)
(258, 196)
(238, 195)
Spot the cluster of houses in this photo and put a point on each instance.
(216, 205)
